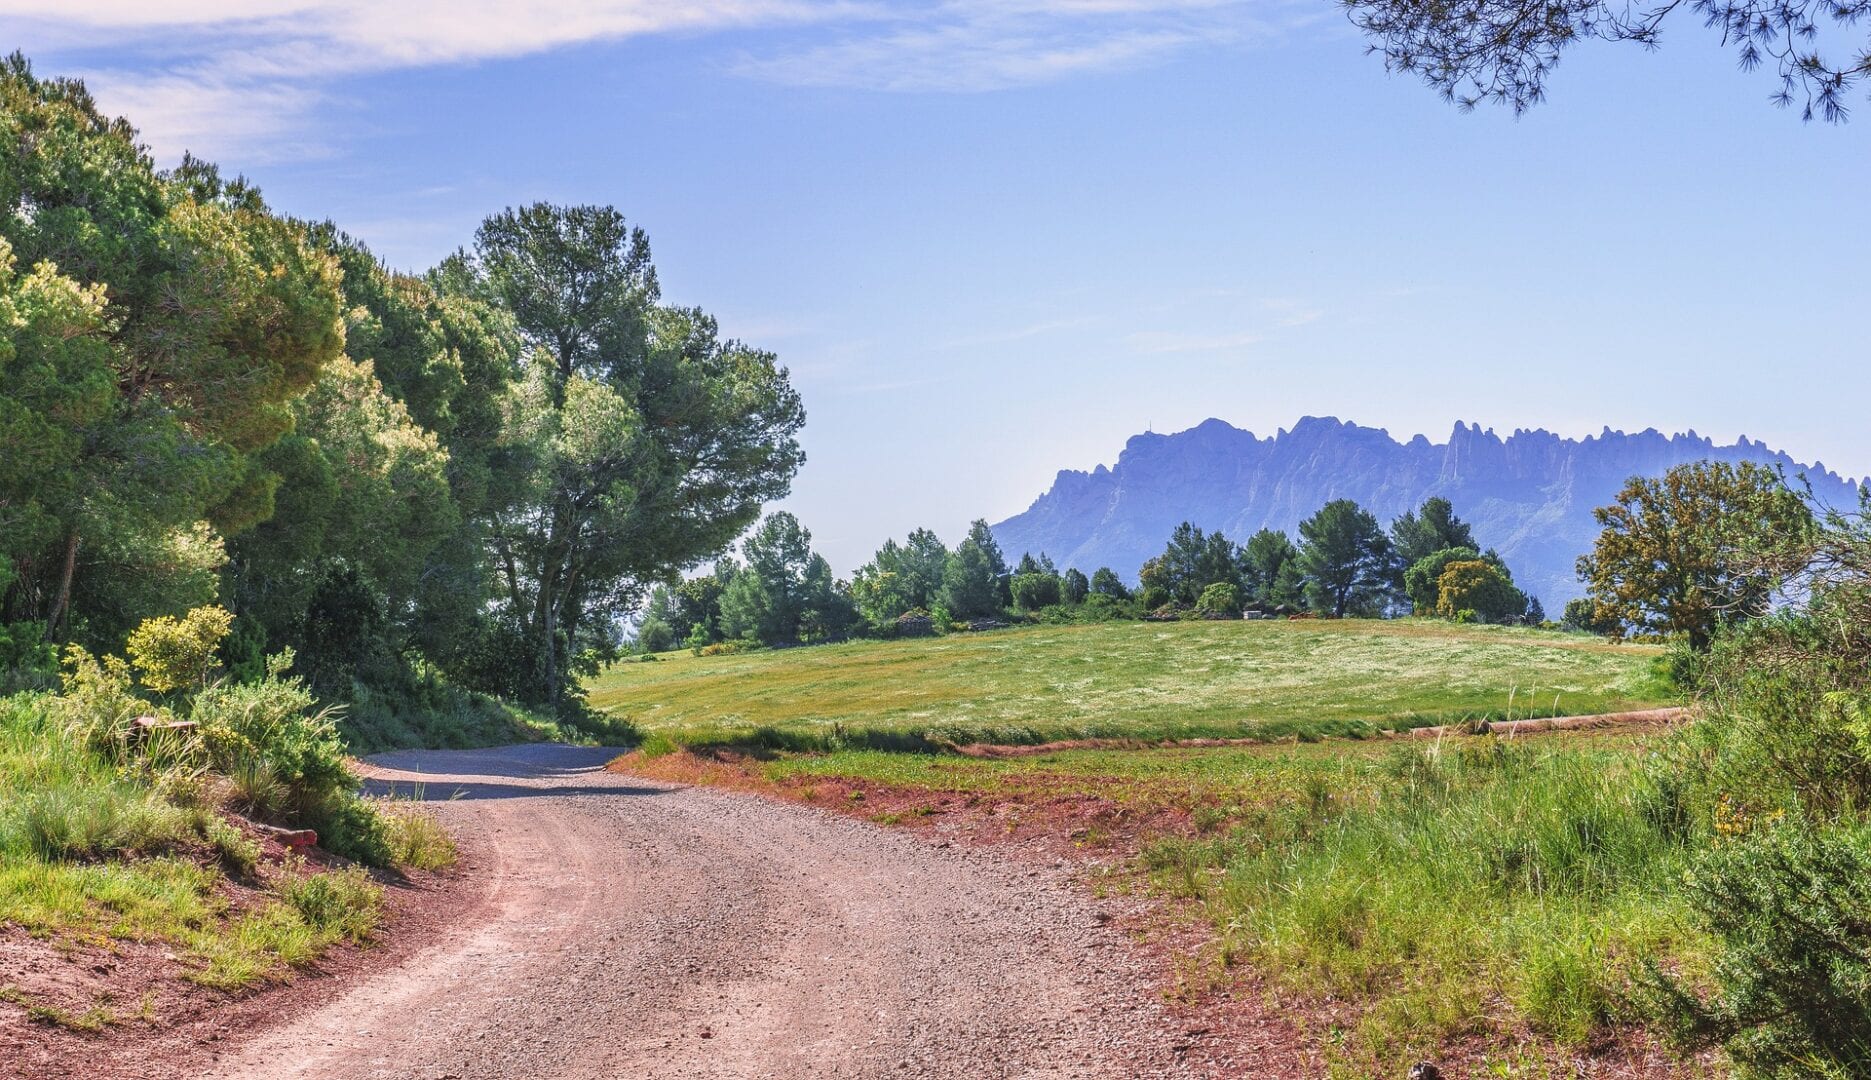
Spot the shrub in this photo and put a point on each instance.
(1221, 597)
(27, 660)
(172, 654)
(100, 706)
(275, 727)
(1032, 591)
(1791, 910)
(1783, 711)
(727, 648)
(655, 636)
(349, 825)
(1480, 588)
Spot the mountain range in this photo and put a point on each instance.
(1529, 496)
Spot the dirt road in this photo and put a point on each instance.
(628, 929)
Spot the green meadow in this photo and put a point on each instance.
(1147, 681)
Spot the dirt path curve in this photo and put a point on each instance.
(624, 928)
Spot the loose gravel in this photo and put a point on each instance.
(626, 928)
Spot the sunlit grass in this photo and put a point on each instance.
(91, 857)
(1128, 680)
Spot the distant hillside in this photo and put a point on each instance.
(1530, 495)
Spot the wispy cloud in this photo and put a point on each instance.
(253, 80)
(1169, 341)
(1018, 333)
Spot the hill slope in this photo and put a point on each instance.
(1530, 496)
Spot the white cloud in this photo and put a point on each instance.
(249, 80)
(982, 45)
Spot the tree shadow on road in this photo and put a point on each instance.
(446, 790)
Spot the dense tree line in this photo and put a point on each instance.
(1343, 564)
(469, 475)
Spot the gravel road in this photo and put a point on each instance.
(622, 928)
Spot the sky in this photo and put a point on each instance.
(993, 240)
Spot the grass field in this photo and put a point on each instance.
(1127, 680)
(1486, 898)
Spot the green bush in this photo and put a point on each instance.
(275, 726)
(352, 826)
(1790, 908)
(27, 660)
(655, 636)
(1783, 709)
(1220, 598)
(99, 706)
(176, 654)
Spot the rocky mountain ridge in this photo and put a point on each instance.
(1530, 496)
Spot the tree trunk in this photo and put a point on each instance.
(550, 626)
(55, 621)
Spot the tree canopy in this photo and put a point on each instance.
(1704, 545)
(1345, 559)
(1503, 51)
(473, 473)
(645, 442)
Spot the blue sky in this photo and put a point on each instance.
(994, 240)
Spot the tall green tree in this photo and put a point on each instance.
(901, 577)
(880, 587)
(1434, 528)
(1261, 562)
(211, 315)
(786, 592)
(646, 442)
(923, 561)
(1074, 586)
(1345, 559)
(1705, 545)
(983, 538)
(971, 583)
(362, 502)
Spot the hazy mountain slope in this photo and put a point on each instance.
(1530, 495)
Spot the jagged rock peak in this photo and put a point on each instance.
(1531, 495)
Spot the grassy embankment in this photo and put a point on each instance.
(105, 839)
(1422, 897)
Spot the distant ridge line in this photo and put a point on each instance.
(1529, 495)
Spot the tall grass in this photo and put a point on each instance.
(1454, 892)
(93, 848)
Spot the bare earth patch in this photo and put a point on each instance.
(1231, 1022)
(619, 927)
